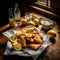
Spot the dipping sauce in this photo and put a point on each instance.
(46, 23)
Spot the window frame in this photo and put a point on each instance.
(47, 11)
(46, 4)
(43, 6)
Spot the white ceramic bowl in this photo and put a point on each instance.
(46, 23)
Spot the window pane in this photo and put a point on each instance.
(47, 2)
(42, 1)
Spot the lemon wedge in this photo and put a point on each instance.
(17, 46)
(13, 38)
(29, 35)
(31, 23)
(36, 21)
(52, 33)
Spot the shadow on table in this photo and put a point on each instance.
(16, 57)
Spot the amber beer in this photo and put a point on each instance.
(11, 18)
(12, 22)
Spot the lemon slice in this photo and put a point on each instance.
(29, 35)
(31, 23)
(52, 33)
(13, 38)
(17, 46)
(36, 21)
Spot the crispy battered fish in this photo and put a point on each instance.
(38, 39)
(18, 33)
(23, 41)
(35, 46)
(30, 40)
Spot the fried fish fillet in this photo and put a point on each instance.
(37, 39)
(35, 46)
(30, 40)
(18, 33)
(23, 41)
(30, 30)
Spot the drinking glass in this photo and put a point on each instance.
(11, 18)
(28, 16)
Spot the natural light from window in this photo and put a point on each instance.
(46, 2)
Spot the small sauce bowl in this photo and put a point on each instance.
(46, 23)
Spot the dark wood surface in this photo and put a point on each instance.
(51, 53)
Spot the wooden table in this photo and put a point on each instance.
(51, 53)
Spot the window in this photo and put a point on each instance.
(46, 2)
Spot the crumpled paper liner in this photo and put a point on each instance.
(27, 51)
